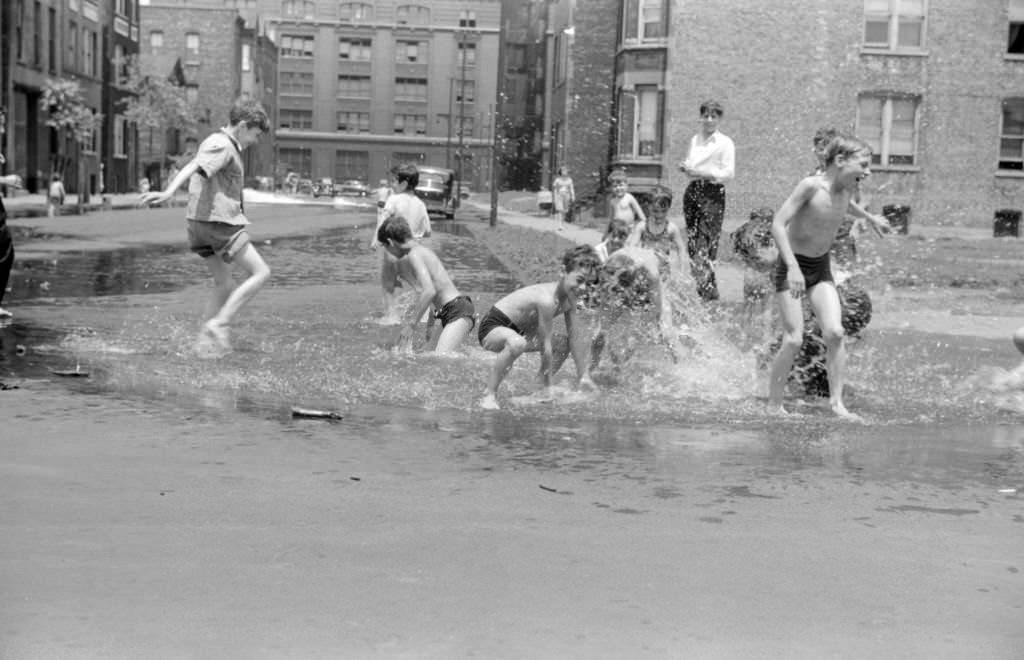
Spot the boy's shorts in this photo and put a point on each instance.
(496, 319)
(209, 238)
(814, 269)
(459, 307)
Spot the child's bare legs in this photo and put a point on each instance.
(559, 352)
(828, 312)
(792, 337)
(452, 336)
(227, 298)
(388, 282)
(509, 345)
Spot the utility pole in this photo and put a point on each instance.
(497, 122)
(448, 144)
(462, 113)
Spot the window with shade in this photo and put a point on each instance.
(296, 159)
(894, 25)
(411, 51)
(353, 122)
(351, 165)
(644, 21)
(889, 125)
(1011, 135)
(640, 119)
(411, 124)
(295, 119)
(355, 11)
(354, 86)
(412, 15)
(355, 50)
(1015, 44)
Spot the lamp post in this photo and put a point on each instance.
(462, 113)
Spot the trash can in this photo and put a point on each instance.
(1007, 223)
(898, 216)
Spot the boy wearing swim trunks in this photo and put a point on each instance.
(454, 310)
(216, 216)
(402, 203)
(804, 229)
(523, 321)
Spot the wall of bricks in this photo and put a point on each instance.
(782, 69)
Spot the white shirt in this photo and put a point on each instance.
(408, 206)
(713, 157)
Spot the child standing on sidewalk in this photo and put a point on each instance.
(55, 196)
(216, 217)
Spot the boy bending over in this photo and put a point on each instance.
(804, 229)
(523, 321)
(403, 203)
(453, 309)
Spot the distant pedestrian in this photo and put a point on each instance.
(563, 196)
(216, 216)
(55, 196)
(6, 240)
(710, 162)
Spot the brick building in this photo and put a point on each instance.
(217, 55)
(71, 39)
(363, 85)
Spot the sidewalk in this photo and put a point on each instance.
(22, 205)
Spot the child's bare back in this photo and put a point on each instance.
(524, 306)
(426, 266)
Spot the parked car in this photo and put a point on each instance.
(437, 190)
(352, 187)
(304, 187)
(324, 186)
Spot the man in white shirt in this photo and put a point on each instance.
(710, 162)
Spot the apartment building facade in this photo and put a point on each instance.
(72, 39)
(363, 86)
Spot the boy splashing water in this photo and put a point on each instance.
(804, 229)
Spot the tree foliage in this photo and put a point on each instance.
(67, 109)
(159, 102)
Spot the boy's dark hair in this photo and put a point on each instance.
(618, 227)
(824, 135)
(395, 229)
(844, 145)
(618, 174)
(409, 173)
(251, 112)
(581, 257)
(56, 176)
(711, 106)
(661, 197)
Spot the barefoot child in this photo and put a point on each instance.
(622, 204)
(804, 229)
(658, 234)
(453, 309)
(523, 321)
(216, 218)
(402, 202)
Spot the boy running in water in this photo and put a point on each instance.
(804, 229)
(435, 286)
(523, 322)
(403, 203)
(216, 217)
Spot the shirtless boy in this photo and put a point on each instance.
(623, 205)
(523, 322)
(454, 310)
(402, 202)
(804, 229)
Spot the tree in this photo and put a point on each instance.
(68, 112)
(159, 105)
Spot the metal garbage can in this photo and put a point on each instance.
(898, 216)
(1007, 223)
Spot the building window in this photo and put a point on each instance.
(466, 54)
(298, 119)
(246, 57)
(466, 91)
(120, 65)
(19, 34)
(156, 39)
(120, 137)
(561, 57)
(412, 15)
(192, 44)
(1011, 135)
(408, 157)
(640, 122)
(298, 8)
(354, 86)
(296, 159)
(192, 94)
(411, 51)
(894, 24)
(1015, 45)
(37, 34)
(355, 11)
(644, 20)
(888, 124)
(414, 89)
(354, 122)
(92, 61)
(411, 124)
(466, 129)
(297, 83)
(72, 53)
(467, 18)
(96, 134)
(53, 41)
(296, 46)
(351, 165)
(121, 7)
(355, 50)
